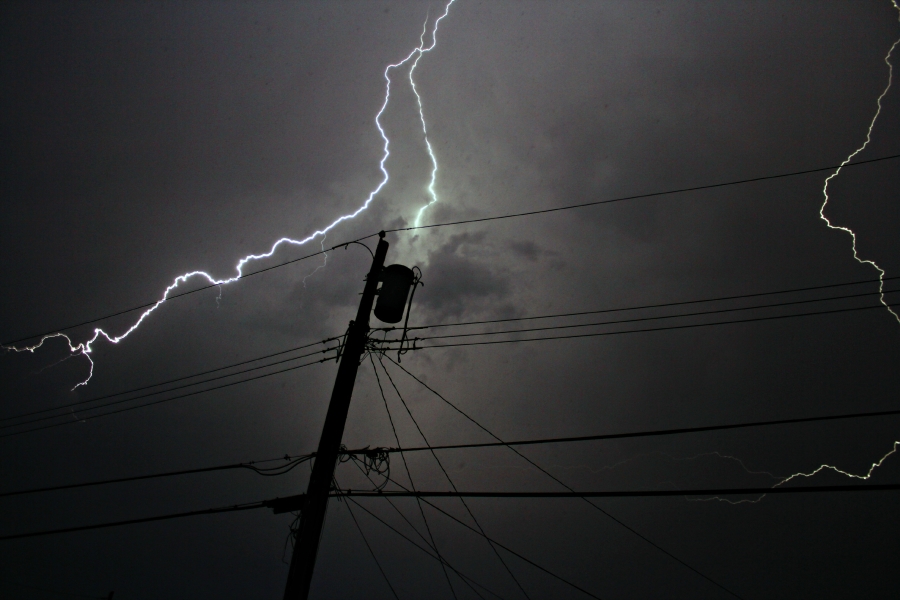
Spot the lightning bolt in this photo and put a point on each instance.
(86, 348)
(421, 52)
(887, 60)
(824, 467)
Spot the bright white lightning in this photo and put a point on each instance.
(887, 60)
(85, 348)
(434, 165)
(813, 473)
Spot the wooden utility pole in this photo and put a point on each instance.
(306, 541)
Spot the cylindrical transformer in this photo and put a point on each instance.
(395, 283)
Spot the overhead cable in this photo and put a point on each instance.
(479, 220)
(873, 487)
(177, 379)
(449, 566)
(665, 305)
(291, 462)
(649, 195)
(423, 495)
(606, 333)
(466, 525)
(652, 433)
(653, 318)
(192, 513)
(528, 442)
(181, 294)
(450, 481)
(156, 393)
(155, 402)
(599, 509)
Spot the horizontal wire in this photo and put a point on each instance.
(637, 434)
(444, 561)
(874, 487)
(121, 410)
(658, 317)
(182, 294)
(342, 493)
(605, 333)
(645, 306)
(177, 379)
(508, 216)
(192, 513)
(156, 393)
(492, 541)
(282, 469)
(528, 442)
(49, 591)
(649, 195)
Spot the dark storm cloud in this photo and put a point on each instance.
(460, 279)
(140, 141)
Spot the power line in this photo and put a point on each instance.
(395, 530)
(409, 476)
(480, 220)
(450, 481)
(605, 333)
(879, 487)
(49, 591)
(129, 408)
(619, 309)
(663, 305)
(180, 387)
(192, 513)
(652, 433)
(423, 495)
(528, 442)
(293, 461)
(180, 295)
(560, 482)
(466, 525)
(654, 318)
(372, 552)
(414, 528)
(177, 379)
(650, 195)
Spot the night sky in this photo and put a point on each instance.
(145, 140)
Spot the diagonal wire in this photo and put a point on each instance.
(453, 485)
(414, 528)
(156, 393)
(654, 318)
(513, 552)
(177, 379)
(449, 566)
(650, 195)
(663, 305)
(409, 475)
(129, 408)
(372, 552)
(554, 478)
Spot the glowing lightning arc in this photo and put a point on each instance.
(85, 348)
(824, 467)
(887, 60)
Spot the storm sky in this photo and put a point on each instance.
(144, 140)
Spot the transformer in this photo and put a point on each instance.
(395, 283)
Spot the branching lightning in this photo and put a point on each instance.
(86, 348)
(421, 52)
(887, 60)
(813, 473)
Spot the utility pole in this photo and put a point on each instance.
(306, 542)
